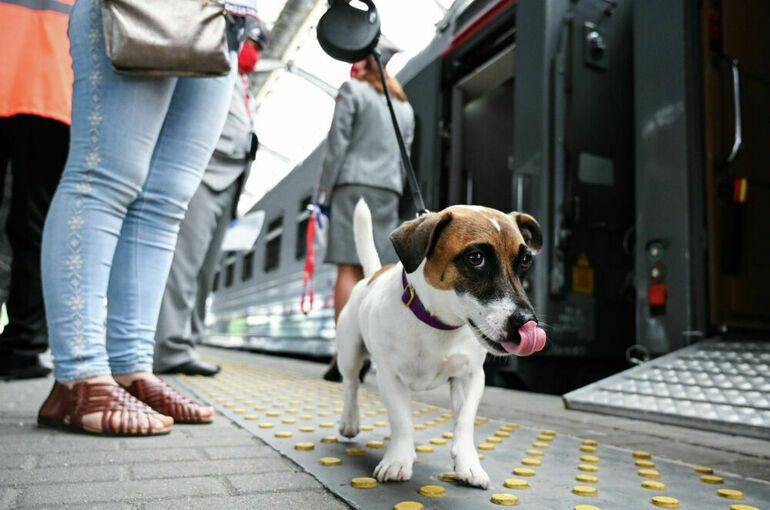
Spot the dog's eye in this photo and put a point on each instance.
(475, 258)
(526, 261)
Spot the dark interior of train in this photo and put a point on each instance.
(737, 166)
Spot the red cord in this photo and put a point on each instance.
(309, 271)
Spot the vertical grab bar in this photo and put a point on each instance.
(738, 138)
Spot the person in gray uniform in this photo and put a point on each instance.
(182, 313)
(362, 161)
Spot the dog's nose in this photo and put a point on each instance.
(516, 321)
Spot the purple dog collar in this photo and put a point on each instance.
(410, 299)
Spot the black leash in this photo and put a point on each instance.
(413, 184)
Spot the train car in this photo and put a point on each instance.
(634, 130)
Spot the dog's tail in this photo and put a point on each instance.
(364, 236)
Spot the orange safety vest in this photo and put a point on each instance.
(35, 63)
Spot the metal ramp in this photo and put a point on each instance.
(714, 385)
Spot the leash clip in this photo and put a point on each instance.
(411, 296)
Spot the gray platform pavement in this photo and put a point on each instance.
(224, 466)
(206, 466)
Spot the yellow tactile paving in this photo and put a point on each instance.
(308, 410)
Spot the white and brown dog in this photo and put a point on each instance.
(456, 295)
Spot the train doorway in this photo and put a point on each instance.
(482, 134)
(737, 161)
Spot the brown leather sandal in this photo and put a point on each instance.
(64, 409)
(167, 400)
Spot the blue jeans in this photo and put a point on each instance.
(138, 149)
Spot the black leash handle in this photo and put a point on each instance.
(413, 184)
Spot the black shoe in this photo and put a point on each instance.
(195, 367)
(17, 367)
(333, 373)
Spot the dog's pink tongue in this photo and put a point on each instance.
(532, 340)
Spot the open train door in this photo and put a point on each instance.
(703, 203)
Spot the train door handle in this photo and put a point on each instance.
(738, 137)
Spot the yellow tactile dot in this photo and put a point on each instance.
(535, 453)
(665, 502)
(283, 434)
(503, 499)
(449, 477)
(510, 427)
(307, 417)
(432, 491)
(408, 505)
(587, 478)
(367, 428)
(543, 437)
(640, 454)
(273, 414)
(239, 410)
(330, 461)
(381, 424)
(482, 456)
(266, 425)
(590, 458)
(486, 446)
(259, 408)
(325, 413)
(704, 470)
(712, 479)
(516, 483)
(355, 452)
(523, 471)
(644, 463)
(371, 413)
(541, 444)
(363, 482)
(586, 507)
(307, 429)
(251, 417)
(649, 473)
(304, 447)
(419, 426)
(440, 441)
(424, 448)
(375, 444)
(289, 421)
(494, 440)
(430, 423)
(528, 461)
(503, 433)
(588, 449)
(730, 493)
(448, 435)
(326, 425)
(653, 485)
(743, 507)
(590, 442)
(329, 439)
(548, 432)
(585, 490)
(229, 404)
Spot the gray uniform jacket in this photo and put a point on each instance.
(229, 160)
(361, 147)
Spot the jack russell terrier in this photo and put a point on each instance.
(456, 295)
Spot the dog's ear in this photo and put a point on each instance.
(414, 240)
(530, 230)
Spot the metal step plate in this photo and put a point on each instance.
(713, 385)
(530, 468)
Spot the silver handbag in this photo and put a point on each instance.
(166, 37)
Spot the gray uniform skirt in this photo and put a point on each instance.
(383, 203)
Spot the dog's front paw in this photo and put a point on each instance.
(394, 468)
(468, 469)
(349, 426)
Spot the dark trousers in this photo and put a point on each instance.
(36, 148)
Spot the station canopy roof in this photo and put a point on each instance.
(296, 82)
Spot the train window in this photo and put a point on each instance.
(229, 272)
(273, 244)
(248, 266)
(217, 277)
(303, 217)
